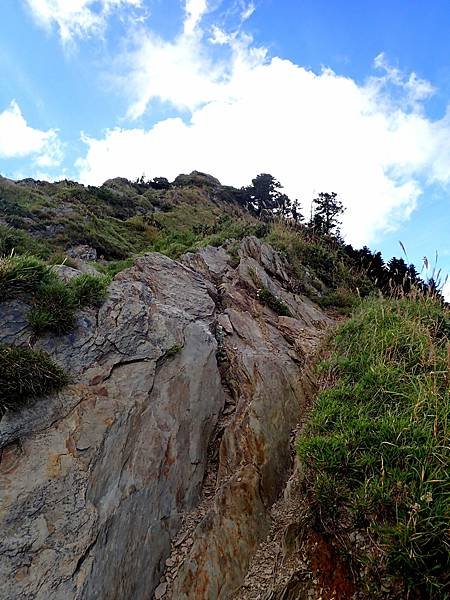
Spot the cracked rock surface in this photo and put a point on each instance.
(185, 389)
(93, 480)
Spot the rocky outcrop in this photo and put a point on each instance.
(267, 371)
(96, 480)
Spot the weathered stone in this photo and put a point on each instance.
(209, 261)
(82, 252)
(104, 469)
(196, 178)
(14, 327)
(66, 273)
(225, 323)
(160, 591)
(265, 355)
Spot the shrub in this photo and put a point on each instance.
(25, 375)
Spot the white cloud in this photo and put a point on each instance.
(183, 71)
(76, 18)
(446, 291)
(371, 143)
(18, 139)
(195, 9)
(178, 72)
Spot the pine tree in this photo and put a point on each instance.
(326, 212)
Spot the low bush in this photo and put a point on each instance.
(26, 375)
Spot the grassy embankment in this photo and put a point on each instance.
(376, 452)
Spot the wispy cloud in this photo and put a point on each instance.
(77, 18)
(18, 139)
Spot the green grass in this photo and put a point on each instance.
(341, 299)
(26, 375)
(113, 267)
(21, 275)
(53, 302)
(376, 453)
(120, 222)
(318, 262)
(88, 290)
(53, 308)
(16, 241)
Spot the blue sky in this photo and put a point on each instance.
(338, 95)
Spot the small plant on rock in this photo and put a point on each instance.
(89, 290)
(21, 275)
(25, 375)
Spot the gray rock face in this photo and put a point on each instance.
(94, 480)
(83, 252)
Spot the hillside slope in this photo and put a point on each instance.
(161, 433)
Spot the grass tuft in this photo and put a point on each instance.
(21, 275)
(53, 302)
(25, 375)
(88, 290)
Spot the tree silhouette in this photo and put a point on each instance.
(326, 212)
(266, 199)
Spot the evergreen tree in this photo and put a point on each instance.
(296, 211)
(326, 212)
(266, 199)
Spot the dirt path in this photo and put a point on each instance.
(294, 562)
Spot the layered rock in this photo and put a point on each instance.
(268, 373)
(95, 480)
